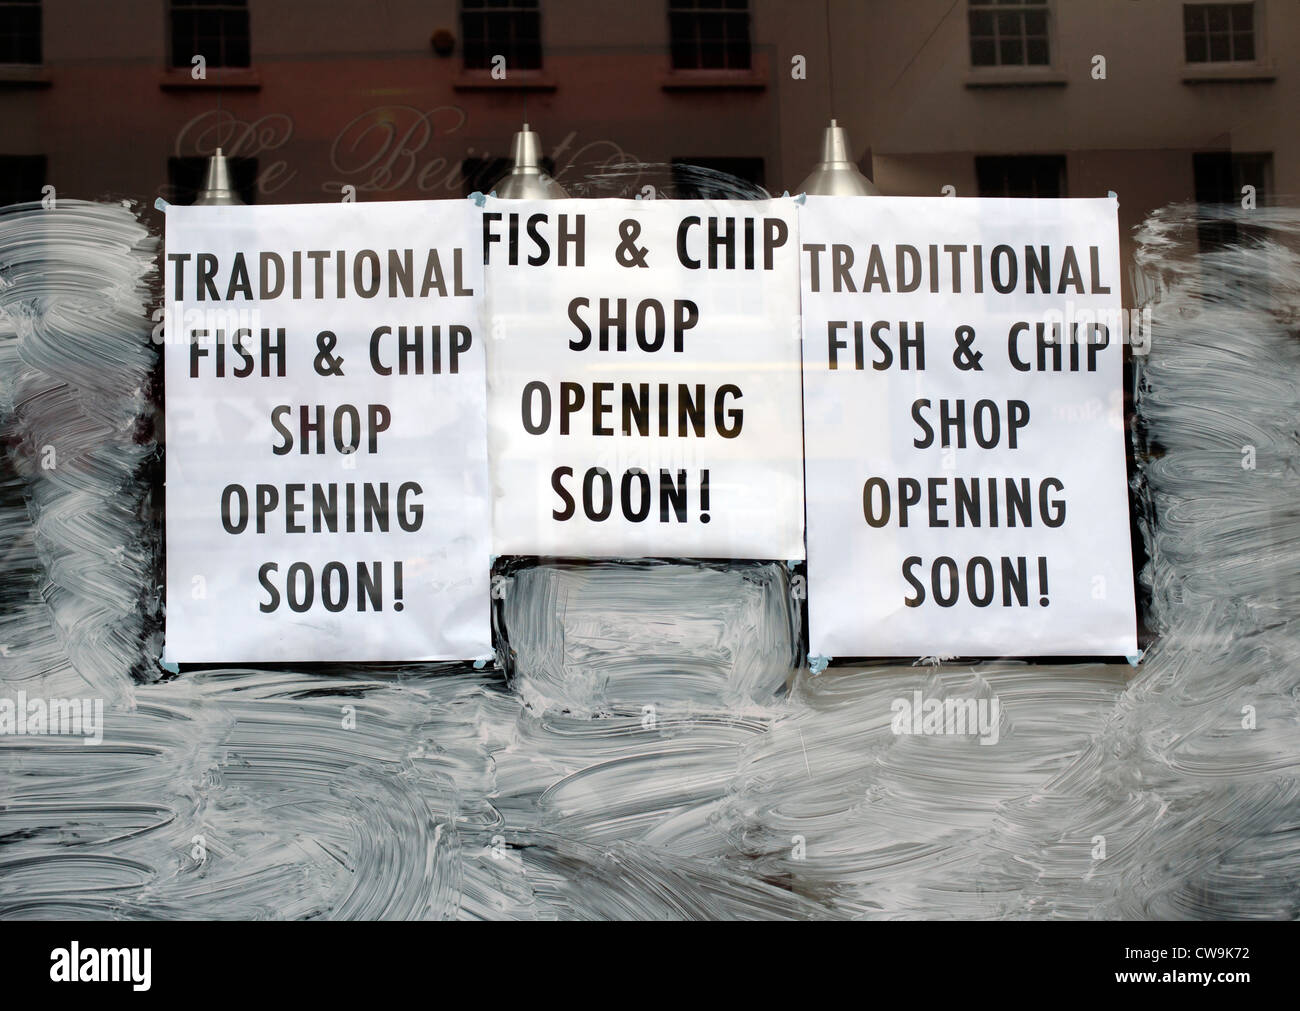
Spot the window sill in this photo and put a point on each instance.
(240, 78)
(1016, 77)
(515, 80)
(25, 75)
(1216, 73)
(696, 80)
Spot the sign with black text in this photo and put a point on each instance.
(327, 483)
(643, 377)
(964, 424)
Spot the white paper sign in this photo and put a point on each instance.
(644, 378)
(327, 488)
(966, 477)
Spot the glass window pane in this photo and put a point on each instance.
(1196, 49)
(1037, 52)
(207, 23)
(528, 28)
(237, 52)
(1013, 52)
(738, 54)
(709, 34)
(1220, 50)
(983, 53)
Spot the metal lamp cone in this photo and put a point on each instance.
(526, 180)
(218, 189)
(836, 175)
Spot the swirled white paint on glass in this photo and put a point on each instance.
(648, 748)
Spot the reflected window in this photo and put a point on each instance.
(1221, 178)
(509, 28)
(1219, 33)
(1009, 33)
(709, 34)
(20, 31)
(1021, 175)
(216, 31)
(21, 178)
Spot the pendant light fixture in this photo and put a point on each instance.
(218, 189)
(526, 180)
(836, 175)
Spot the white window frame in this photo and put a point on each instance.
(1259, 69)
(1047, 7)
(1015, 74)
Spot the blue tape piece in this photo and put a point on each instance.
(480, 664)
(161, 205)
(1113, 195)
(818, 663)
(1136, 658)
(170, 668)
(478, 198)
(801, 199)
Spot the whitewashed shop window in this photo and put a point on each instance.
(1010, 33)
(711, 178)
